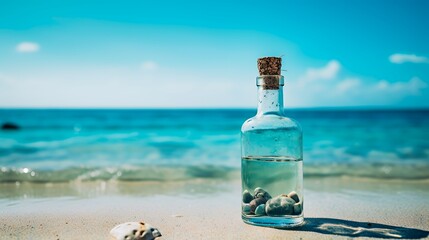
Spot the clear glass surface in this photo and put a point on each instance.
(271, 166)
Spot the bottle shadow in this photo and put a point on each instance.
(349, 228)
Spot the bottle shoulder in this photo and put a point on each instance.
(270, 122)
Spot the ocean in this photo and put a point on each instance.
(61, 145)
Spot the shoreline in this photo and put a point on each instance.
(209, 209)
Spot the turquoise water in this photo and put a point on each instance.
(276, 175)
(139, 145)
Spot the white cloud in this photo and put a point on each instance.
(401, 58)
(312, 90)
(27, 47)
(149, 65)
(382, 92)
(327, 72)
(75, 87)
(411, 87)
(347, 85)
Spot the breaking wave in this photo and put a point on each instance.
(417, 171)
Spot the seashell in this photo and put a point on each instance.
(294, 196)
(297, 208)
(255, 203)
(247, 196)
(279, 206)
(246, 208)
(260, 210)
(134, 231)
(261, 193)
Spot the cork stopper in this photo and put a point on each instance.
(269, 65)
(270, 70)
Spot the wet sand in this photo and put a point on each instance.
(210, 209)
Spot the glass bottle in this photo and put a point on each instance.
(271, 165)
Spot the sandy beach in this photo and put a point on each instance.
(210, 209)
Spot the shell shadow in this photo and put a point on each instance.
(349, 228)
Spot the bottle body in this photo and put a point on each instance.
(271, 165)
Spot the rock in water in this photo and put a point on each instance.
(135, 231)
(294, 196)
(279, 206)
(247, 196)
(261, 193)
(255, 203)
(260, 210)
(246, 208)
(9, 126)
(297, 208)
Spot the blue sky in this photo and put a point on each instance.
(199, 54)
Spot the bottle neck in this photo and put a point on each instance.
(270, 95)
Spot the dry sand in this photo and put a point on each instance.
(207, 209)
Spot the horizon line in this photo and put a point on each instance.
(223, 108)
